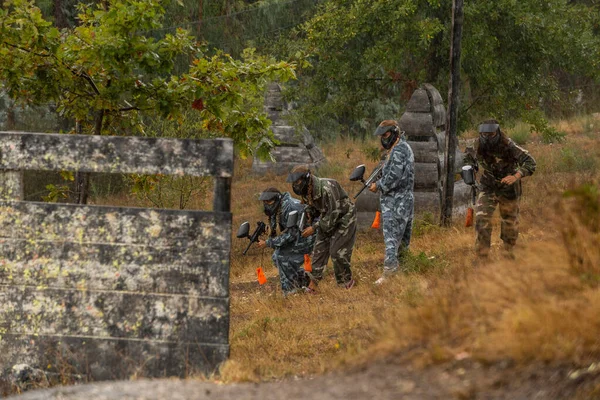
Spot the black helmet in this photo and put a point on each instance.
(299, 178)
(269, 195)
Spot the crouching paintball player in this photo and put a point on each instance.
(290, 247)
(504, 164)
(336, 227)
(396, 195)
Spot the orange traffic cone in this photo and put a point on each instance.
(262, 279)
(377, 221)
(307, 263)
(469, 220)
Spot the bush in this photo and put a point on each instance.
(540, 124)
(521, 133)
(574, 159)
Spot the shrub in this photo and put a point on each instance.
(520, 133)
(574, 159)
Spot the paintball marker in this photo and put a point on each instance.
(244, 232)
(468, 175)
(358, 175)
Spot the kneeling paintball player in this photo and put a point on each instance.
(290, 247)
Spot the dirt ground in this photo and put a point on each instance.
(384, 379)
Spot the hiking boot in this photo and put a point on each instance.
(350, 284)
(508, 252)
(311, 287)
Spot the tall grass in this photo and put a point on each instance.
(440, 306)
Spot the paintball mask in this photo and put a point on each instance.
(486, 135)
(270, 208)
(299, 182)
(387, 142)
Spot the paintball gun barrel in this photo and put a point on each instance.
(244, 232)
(358, 175)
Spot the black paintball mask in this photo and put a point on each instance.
(388, 142)
(300, 181)
(270, 208)
(487, 139)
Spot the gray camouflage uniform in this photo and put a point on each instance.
(397, 202)
(289, 246)
(336, 229)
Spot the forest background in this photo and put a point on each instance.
(346, 64)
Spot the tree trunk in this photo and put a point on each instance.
(60, 20)
(451, 122)
(11, 120)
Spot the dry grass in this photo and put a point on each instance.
(539, 308)
(533, 309)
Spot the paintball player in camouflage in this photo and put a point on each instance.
(397, 198)
(289, 246)
(335, 227)
(504, 164)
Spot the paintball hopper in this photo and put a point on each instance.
(292, 219)
(358, 173)
(244, 230)
(468, 175)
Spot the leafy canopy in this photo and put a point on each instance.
(115, 70)
(368, 56)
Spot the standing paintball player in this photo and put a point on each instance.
(289, 246)
(397, 198)
(504, 164)
(336, 227)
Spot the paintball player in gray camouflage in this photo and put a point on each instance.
(397, 198)
(289, 246)
(504, 164)
(335, 227)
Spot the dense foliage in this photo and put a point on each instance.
(369, 55)
(111, 76)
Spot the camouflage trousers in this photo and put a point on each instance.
(291, 271)
(339, 246)
(509, 212)
(397, 215)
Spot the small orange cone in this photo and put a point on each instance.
(307, 263)
(262, 279)
(469, 220)
(377, 221)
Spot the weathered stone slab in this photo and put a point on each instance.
(28, 310)
(111, 275)
(286, 135)
(419, 102)
(424, 152)
(109, 248)
(426, 175)
(114, 154)
(117, 359)
(417, 124)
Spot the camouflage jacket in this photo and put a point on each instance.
(506, 159)
(331, 201)
(398, 173)
(289, 239)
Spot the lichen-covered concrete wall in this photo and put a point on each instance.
(111, 292)
(114, 154)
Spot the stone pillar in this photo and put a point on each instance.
(424, 123)
(295, 146)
